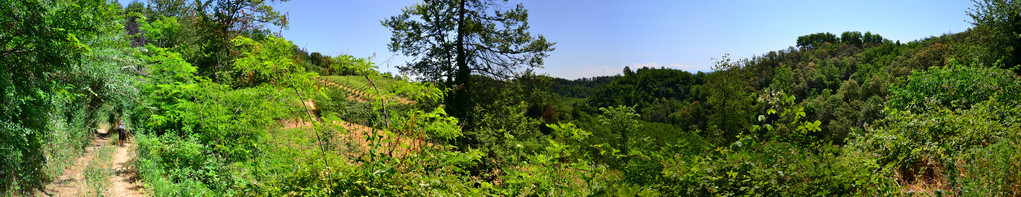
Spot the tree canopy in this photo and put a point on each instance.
(452, 39)
(1000, 20)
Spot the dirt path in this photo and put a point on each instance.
(73, 182)
(123, 179)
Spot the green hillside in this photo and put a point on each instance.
(218, 104)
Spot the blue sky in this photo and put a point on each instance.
(600, 37)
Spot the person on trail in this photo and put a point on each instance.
(121, 133)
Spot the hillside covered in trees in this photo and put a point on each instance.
(220, 105)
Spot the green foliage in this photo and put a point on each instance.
(999, 24)
(993, 170)
(776, 157)
(162, 32)
(492, 45)
(422, 169)
(955, 86)
(224, 126)
(654, 92)
(348, 65)
(171, 165)
(334, 102)
(623, 122)
(508, 114)
(358, 86)
(268, 61)
(507, 133)
(842, 111)
(551, 171)
(62, 62)
(816, 39)
(851, 37)
(728, 100)
(218, 22)
(871, 38)
(209, 138)
(579, 88)
(783, 79)
(940, 119)
(771, 167)
(783, 120)
(927, 145)
(170, 8)
(209, 90)
(438, 33)
(848, 37)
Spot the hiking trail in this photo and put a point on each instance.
(121, 179)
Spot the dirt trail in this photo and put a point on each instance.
(123, 179)
(120, 183)
(72, 181)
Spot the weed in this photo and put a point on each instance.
(98, 171)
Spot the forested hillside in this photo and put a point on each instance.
(219, 104)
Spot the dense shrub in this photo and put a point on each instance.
(993, 170)
(772, 167)
(956, 86)
(929, 146)
(215, 130)
(946, 123)
(333, 102)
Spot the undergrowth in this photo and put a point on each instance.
(99, 170)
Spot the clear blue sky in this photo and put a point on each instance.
(600, 37)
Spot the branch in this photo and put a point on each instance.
(138, 101)
(386, 116)
(311, 121)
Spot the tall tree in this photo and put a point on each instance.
(624, 121)
(1001, 21)
(728, 99)
(851, 38)
(220, 21)
(452, 39)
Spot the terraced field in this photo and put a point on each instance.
(359, 88)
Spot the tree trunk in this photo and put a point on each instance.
(459, 102)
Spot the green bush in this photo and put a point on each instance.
(215, 131)
(333, 102)
(993, 170)
(956, 86)
(932, 145)
(170, 165)
(772, 167)
(774, 157)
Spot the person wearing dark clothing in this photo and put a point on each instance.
(121, 133)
